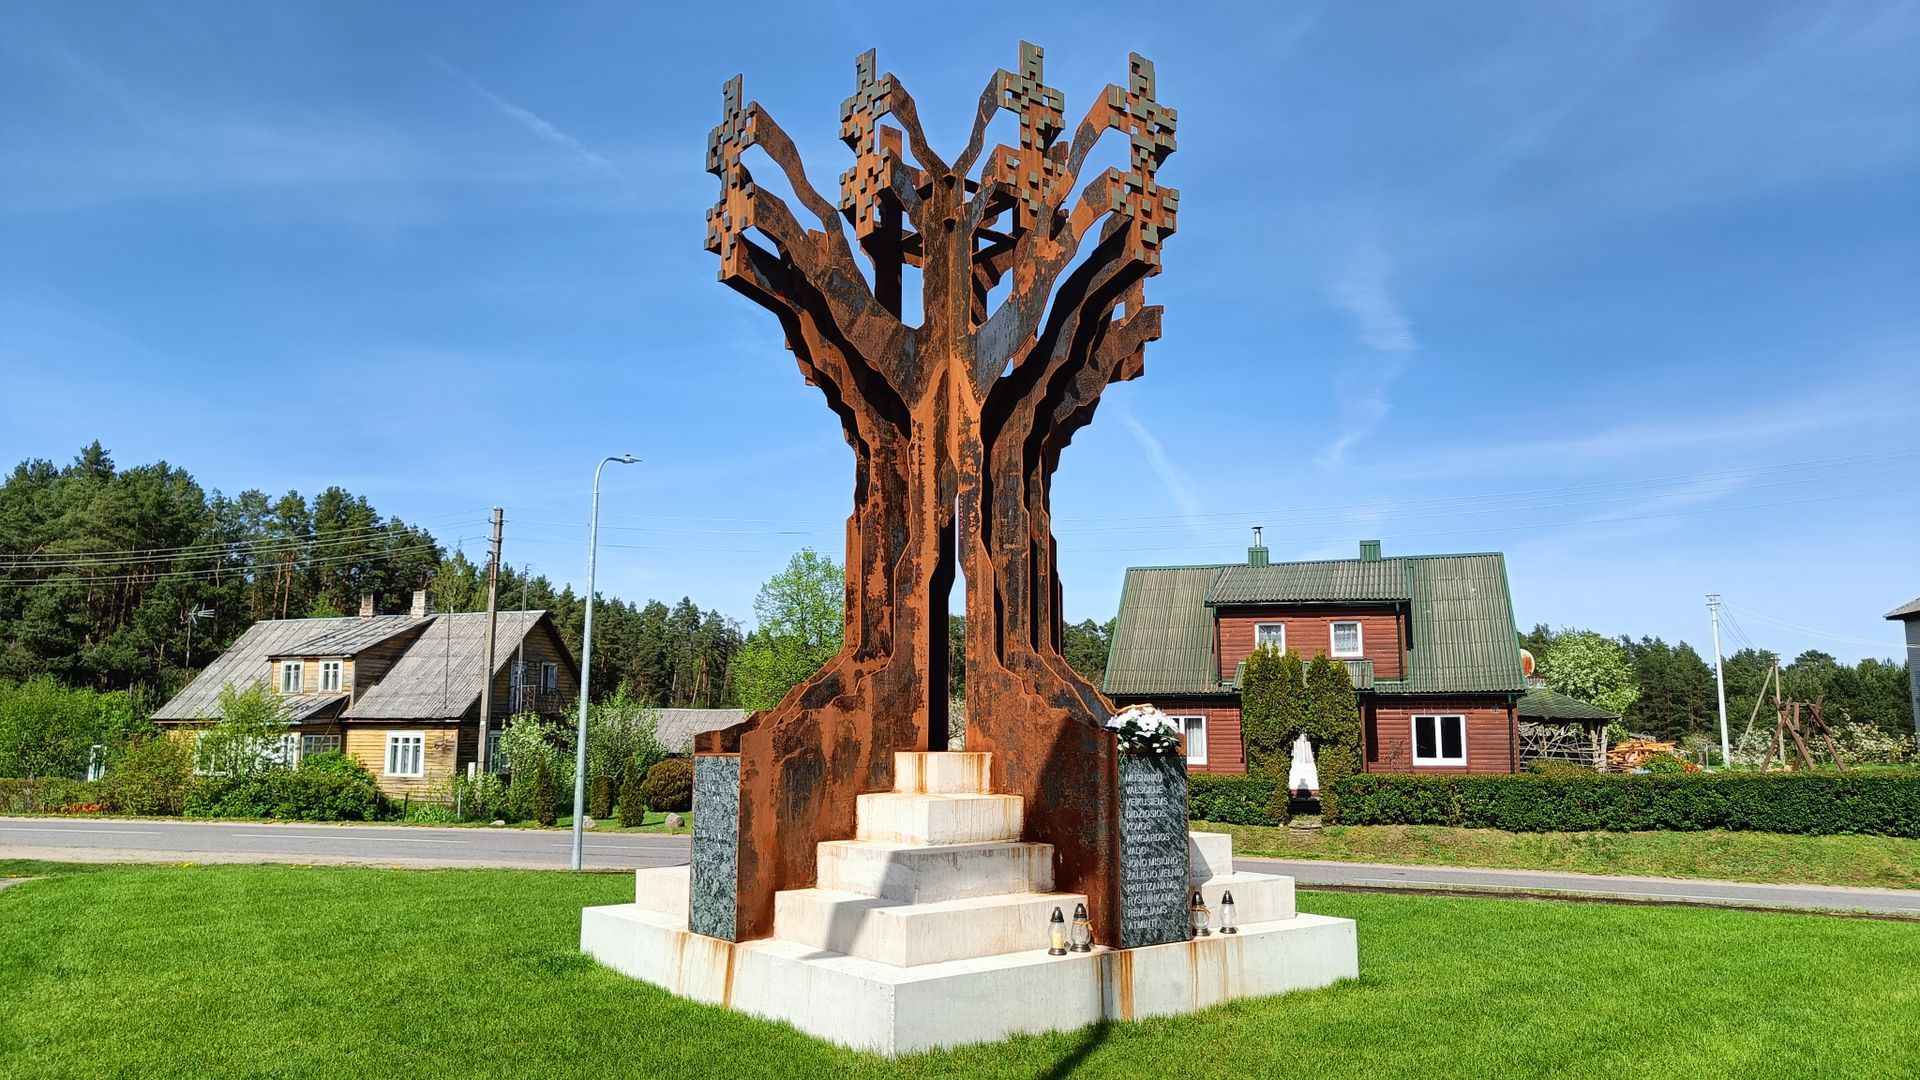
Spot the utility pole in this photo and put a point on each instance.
(493, 615)
(1719, 679)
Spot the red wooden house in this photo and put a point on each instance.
(1429, 641)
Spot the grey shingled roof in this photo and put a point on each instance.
(1906, 611)
(1330, 581)
(1463, 637)
(1547, 705)
(358, 635)
(1163, 639)
(677, 727)
(243, 664)
(438, 677)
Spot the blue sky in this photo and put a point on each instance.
(1630, 291)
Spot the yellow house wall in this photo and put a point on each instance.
(368, 745)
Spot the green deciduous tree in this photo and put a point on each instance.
(802, 621)
(1582, 664)
(250, 736)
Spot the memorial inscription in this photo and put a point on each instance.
(1153, 850)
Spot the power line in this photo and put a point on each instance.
(26, 560)
(1783, 624)
(220, 571)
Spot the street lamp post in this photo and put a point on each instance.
(586, 665)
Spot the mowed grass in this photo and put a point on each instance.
(277, 971)
(1879, 861)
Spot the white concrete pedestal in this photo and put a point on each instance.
(928, 930)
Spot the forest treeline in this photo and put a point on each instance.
(132, 578)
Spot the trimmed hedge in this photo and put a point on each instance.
(1235, 800)
(1812, 803)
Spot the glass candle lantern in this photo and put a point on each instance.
(1082, 932)
(1201, 916)
(1057, 934)
(1228, 914)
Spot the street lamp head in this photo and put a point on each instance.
(627, 459)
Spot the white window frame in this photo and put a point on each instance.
(405, 741)
(332, 676)
(1439, 739)
(495, 763)
(316, 743)
(1196, 750)
(97, 762)
(549, 677)
(295, 672)
(1257, 627)
(1333, 640)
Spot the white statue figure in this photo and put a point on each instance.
(1304, 773)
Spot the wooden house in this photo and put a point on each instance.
(1428, 640)
(399, 693)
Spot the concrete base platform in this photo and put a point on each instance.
(893, 1010)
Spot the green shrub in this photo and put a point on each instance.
(51, 795)
(600, 798)
(1236, 800)
(151, 777)
(1814, 803)
(482, 798)
(633, 809)
(669, 786)
(543, 794)
(50, 730)
(325, 787)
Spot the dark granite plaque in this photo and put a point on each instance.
(1153, 851)
(716, 852)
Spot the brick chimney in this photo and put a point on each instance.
(422, 607)
(366, 605)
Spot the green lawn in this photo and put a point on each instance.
(273, 971)
(1880, 861)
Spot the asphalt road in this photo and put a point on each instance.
(107, 840)
(98, 840)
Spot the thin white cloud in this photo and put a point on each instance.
(539, 126)
(1175, 481)
(1362, 289)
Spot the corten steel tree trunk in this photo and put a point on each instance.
(957, 426)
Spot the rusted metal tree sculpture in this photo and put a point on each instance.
(957, 426)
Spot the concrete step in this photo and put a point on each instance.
(922, 818)
(1209, 853)
(944, 773)
(907, 935)
(1257, 898)
(665, 889)
(902, 1010)
(916, 873)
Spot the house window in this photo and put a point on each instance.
(1195, 729)
(280, 751)
(1271, 635)
(549, 677)
(495, 763)
(97, 761)
(290, 676)
(404, 752)
(330, 676)
(1440, 740)
(1346, 639)
(517, 674)
(318, 744)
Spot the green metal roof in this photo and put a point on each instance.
(1463, 636)
(1330, 581)
(1463, 633)
(1163, 639)
(1547, 705)
(1906, 611)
